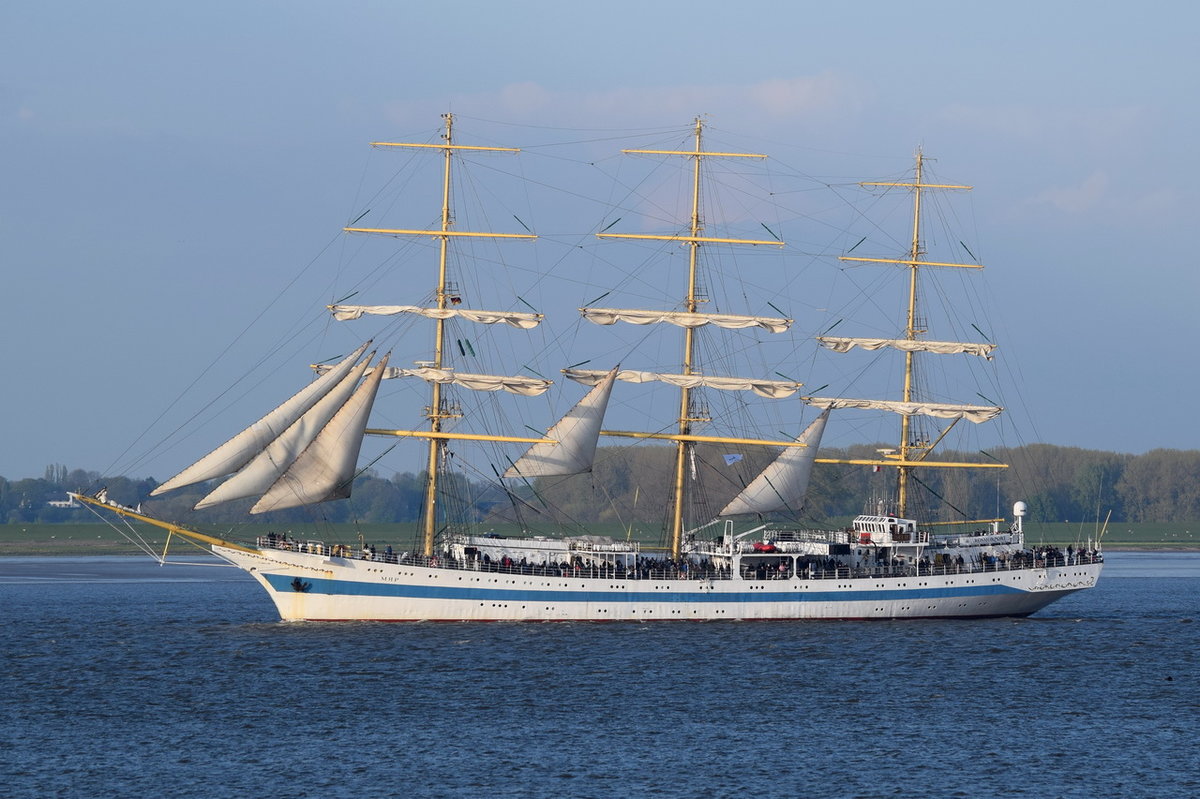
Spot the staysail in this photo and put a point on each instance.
(242, 448)
(325, 469)
(266, 467)
(576, 433)
(782, 485)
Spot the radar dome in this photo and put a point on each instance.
(1019, 509)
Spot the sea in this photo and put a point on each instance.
(123, 678)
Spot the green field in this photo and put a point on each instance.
(1146, 535)
(100, 539)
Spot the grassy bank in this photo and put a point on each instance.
(100, 539)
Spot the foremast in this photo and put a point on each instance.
(438, 412)
(911, 453)
(688, 417)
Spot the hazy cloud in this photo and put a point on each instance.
(793, 96)
(825, 92)
(1089, 195)
(1098, 198)
(1040, 124)
(525, 98)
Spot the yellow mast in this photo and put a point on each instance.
(172, 529)
(910, 333)
(913, 328)
(684, 438)
(436, 412)
(689, 345)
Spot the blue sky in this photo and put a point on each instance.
(167, 166)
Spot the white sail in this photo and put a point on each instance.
(525, 386)
(524, 321)
(782, 485)
(513, 384)
(771, 389)
(840, 344)
(325, 469)
(239, 450)
(972, 413)
(261, 473)
(576, 435)
(609, 316)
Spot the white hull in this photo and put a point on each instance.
(321, 588)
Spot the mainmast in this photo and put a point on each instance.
(438, 410)
(688, 416)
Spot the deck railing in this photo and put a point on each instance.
(756, 566)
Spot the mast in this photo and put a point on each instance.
(911, 452)
(689, 346)
(684, 440)
(437, 411)
(910, 333)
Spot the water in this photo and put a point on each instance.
(121, 678)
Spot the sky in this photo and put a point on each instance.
(166, 166)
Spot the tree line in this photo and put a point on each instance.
(626, 486)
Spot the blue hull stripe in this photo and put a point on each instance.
(283, 584)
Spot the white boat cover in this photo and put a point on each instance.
(609, 316)
(325, 469)
(972, 413)
(838, 344)
(782, 485)
(261, 473)
(772, 389)
(239, 450)
(525, 321)
(576, 435)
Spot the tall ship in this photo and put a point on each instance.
(748, 556)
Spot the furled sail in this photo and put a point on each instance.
(525, 321)
(609, 316)
(261, 473)
(782, 485)
(325, 469)
(839, 344)
(772, 389)
(239, 450)
(972, 413)
(525, 386)
(576, 435)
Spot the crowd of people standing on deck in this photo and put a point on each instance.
(577, 566)
(1040, 557)
(753, 568)
(644, 568)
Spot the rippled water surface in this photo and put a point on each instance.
(121, 678)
